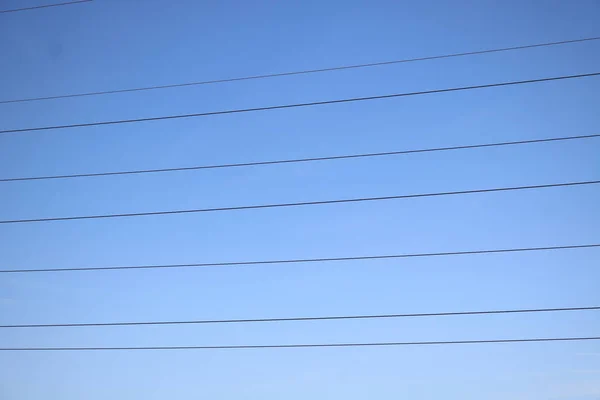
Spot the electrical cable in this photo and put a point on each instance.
(58, 5)
(304, 72)
(281, 346)
(300, 160)
(308, 260)
(297, 105)
(299, 204)
(296, 319)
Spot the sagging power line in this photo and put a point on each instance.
(308, 260)
(297, 105)
(299, 319)
(299, 204)
(300, 160)
(303, 72)
(289, 346)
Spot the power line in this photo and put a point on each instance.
(52, 5)
(295, 319)
(304, 72)
(298, 204)
(297, 105)
(299, 160)
(282, 346)
(310, 260)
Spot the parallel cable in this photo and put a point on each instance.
(304, 72)
(300, 160)
(308, 260)
(297, 105)
(283, 346)
(54, 5)
(298, 204)
(296, 319)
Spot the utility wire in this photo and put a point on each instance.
(309, 260)
(48, 6)
(294, 319)
(305, 72)
(298, 204)
(296, 105)
(282, 346)
(300, 160)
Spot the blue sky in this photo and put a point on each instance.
(109, 44)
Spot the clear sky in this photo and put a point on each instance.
(110, 44)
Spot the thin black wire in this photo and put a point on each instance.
(308, 260)
(300, 160)
(296, 105)
(311, 71)
(295, 319)
(304, 203)
(51, 5)
(281, 346)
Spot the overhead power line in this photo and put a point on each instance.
(298, 204)
(300, 160)
(308, 260)
(297, 105)
(47, 6)
(304, 72)
(287, 346)
(297, 319)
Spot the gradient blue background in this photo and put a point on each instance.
(110, 44)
